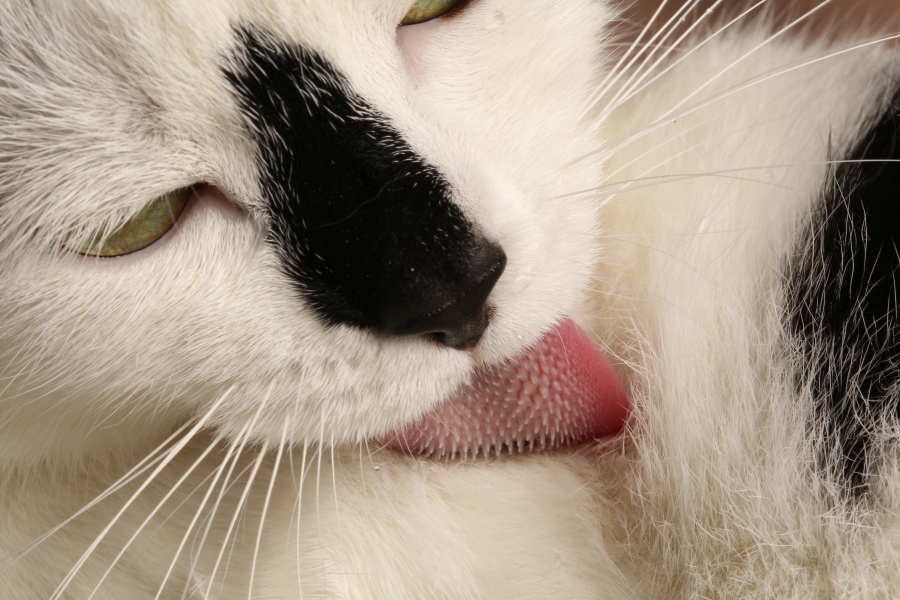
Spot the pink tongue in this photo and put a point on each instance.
(562, 391)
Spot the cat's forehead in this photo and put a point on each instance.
(348, 32)
(138, 88)
(173, 42)
(129, 100)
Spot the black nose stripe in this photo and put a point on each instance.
(366, 228)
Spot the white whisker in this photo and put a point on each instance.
(218, 472)
(318, 486)
(262, 518)
(240, 439)
(240, 504)
(337, 512)
(643, 72)
(227, 484)
(171, 455)
(670, 178)
(634, 92)
(146, 463)
(620, 66)
(649, 49)
(750, 52)
(238, 511)
(303, 470)
(757, 80)
(152, 513)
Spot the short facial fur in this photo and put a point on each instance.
(203, 418)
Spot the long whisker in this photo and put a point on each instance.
(146, 463)
(337, 512)
(218, 473)
(240, 504)
(303, 471)
(631, 94)
(620, 66)
(750, 52)
(262, 518)
(644, 174)
(237, 513)
(641, 73)
(320, 452)
(152, 513)
(239, 443)
(700, 144)
(648, 50)
(761, 78)
(219, 470)
(171, 455)
(655, 179)
(362, 474)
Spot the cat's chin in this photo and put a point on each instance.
(560, 392)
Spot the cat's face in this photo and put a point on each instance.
(103, 109)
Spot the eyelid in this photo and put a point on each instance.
(423, 11)
(141, 230)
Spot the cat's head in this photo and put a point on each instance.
(365, 201)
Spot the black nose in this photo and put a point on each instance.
(454, 310)
(370, 232)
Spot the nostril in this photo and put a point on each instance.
(460, 322)
(466, 335)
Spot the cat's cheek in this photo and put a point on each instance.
(280, 364)
(411, 41)
(375, 392)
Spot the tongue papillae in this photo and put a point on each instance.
(562, 391)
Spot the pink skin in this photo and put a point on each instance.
(562, 391)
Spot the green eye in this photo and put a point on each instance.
(425, 10)
(141, 230)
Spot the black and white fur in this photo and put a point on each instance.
(199, 419)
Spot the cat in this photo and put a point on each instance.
(444, 299)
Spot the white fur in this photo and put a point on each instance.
(710, 493)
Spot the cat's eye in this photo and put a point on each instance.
(138, 232)
(425, 10)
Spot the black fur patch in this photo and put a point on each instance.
(845, 303)
(365, 226)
